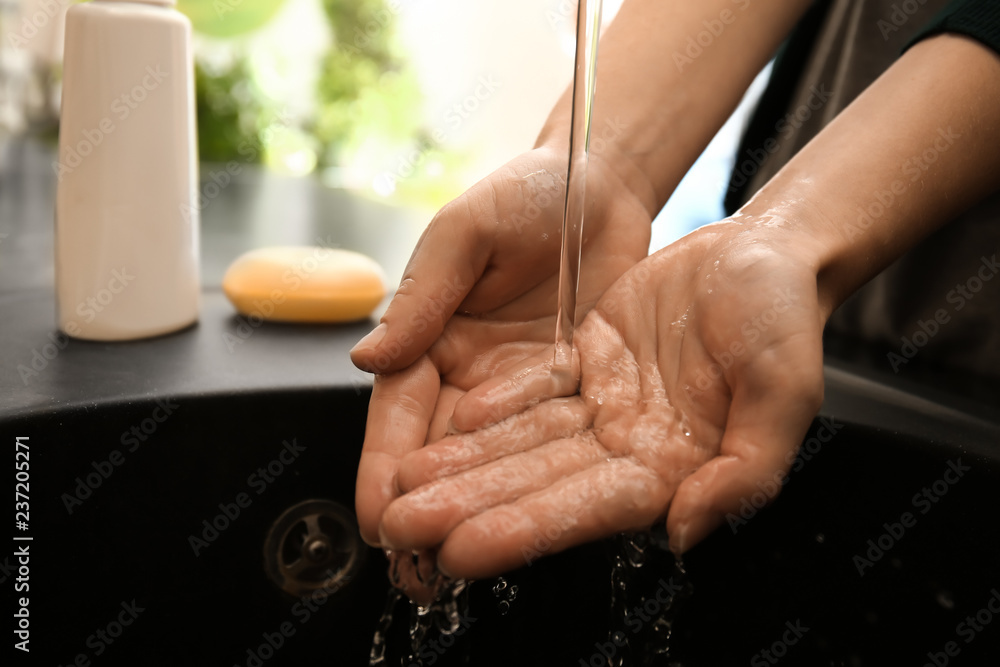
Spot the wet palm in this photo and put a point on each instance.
(498, 246)
(700, 371)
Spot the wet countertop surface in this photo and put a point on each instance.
(223, 353)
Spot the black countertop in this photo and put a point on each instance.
(43, 370)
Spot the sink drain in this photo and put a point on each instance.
(313, 545)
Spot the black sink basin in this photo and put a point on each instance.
(142, 453)
(150, 520)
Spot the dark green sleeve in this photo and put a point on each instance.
(978, 19)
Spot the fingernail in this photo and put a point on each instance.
(383, 539)
(442, 570)
(372, 340)
(678, 541)
(691, 533)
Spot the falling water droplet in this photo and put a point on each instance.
(379, 641)
(444, 615)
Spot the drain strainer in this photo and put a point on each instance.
(313, 545)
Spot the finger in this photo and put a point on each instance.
(552, 420)
(439, 425)
(448, 260)
(770, 413)
(423, 518)
(470, 351)
(399, 414)
(414, 574)
(613, 495)
(534, 380)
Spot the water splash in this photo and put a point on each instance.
(445, 614)
(644, 572)
(380, 639)
(505, 594)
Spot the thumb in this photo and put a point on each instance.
(767, 420)
(448, 260)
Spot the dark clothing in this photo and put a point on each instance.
(839, 48)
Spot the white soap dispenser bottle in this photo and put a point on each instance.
(127, 195)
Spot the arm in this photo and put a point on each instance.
(916, 149)
(671, 73)
(481, 284)
(666, 114)
(923, 137)
(686, 324)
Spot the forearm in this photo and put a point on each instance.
(669, 74)
(917, 148)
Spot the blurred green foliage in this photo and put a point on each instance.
(229, 113)
(229, 18)
(367, 119)
(365, 88)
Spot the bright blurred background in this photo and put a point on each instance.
(406, 101)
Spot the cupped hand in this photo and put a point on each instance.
(700, 371)
(478, 299)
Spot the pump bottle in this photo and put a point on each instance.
(126, 205)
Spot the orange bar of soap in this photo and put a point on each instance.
(305, 284)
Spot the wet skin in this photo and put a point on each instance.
(667, 417)
(718, 335)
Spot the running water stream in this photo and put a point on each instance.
(588, 28)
